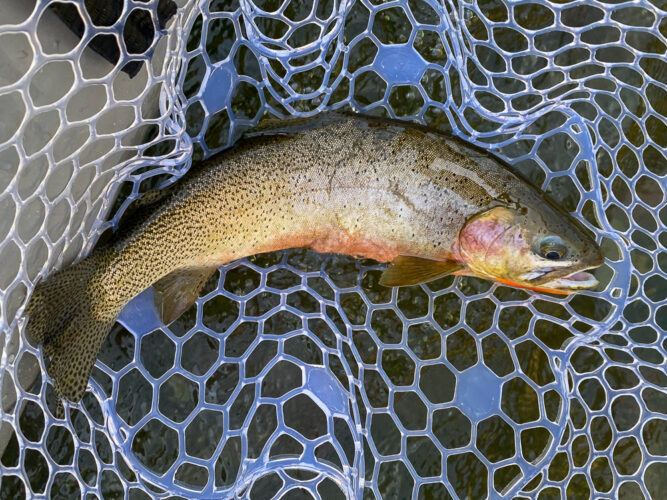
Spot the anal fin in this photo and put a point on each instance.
(177, 291)
(405, 270)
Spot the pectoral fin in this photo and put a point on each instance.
(177, 291)
(406, 271)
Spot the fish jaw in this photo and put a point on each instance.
(577, 281)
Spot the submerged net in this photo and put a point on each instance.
(296, 375)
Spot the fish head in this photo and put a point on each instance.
(535, 246)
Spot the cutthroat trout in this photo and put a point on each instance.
(428, 204)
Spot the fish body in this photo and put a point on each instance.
(428, 204)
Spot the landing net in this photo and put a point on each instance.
(296, 373)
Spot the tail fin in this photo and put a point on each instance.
(63, 317)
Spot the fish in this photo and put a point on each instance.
(428, 204)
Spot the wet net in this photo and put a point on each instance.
(296, 375)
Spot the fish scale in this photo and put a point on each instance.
(337, 183)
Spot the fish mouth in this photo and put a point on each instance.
(579, 280)
(558, 281)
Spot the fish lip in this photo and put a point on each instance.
(555, 279)
(577, 280)
(537, 276)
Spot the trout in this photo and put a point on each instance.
(428, 204)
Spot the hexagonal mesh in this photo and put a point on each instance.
(296, 373)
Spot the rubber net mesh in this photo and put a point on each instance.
(296, 375)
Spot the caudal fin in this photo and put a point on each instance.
(63, 317)
(72, 358)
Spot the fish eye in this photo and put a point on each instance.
(552, 248)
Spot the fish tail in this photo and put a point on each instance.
(70, 316)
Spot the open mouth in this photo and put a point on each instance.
(540, 281)
(579, 280)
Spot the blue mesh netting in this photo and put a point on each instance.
(296, 373)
